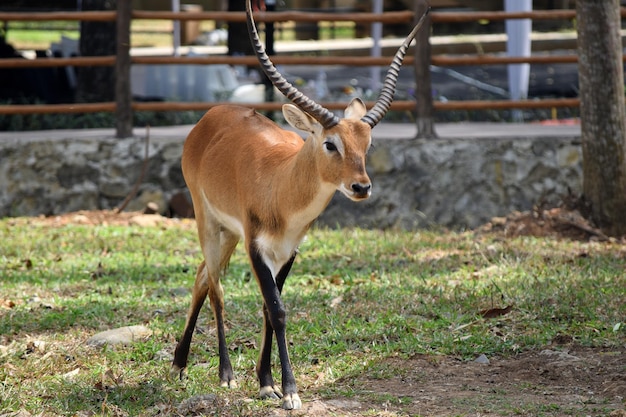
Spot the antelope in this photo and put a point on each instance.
(251, 180)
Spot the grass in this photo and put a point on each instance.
(354, 297)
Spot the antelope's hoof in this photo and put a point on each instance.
(270, 393)
(231, 383)
(291, 402)
(177, 372)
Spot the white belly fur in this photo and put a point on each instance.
(276, 251)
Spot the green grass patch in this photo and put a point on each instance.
(354, 297)
(148, 33)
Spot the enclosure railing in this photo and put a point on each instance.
(423, 105)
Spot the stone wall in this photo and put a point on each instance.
(461, 182)
(455, 182)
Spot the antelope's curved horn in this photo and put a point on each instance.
(319, 113)
(385, 97)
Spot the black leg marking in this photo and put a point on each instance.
(182, 348)
(276, 317)
(227, 376)
(264, 366)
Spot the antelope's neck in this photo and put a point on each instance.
(297, 196)
(309, 194)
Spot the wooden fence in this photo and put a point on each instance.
(423, 106)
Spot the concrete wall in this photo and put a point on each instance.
(462, 180)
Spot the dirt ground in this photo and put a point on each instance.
(562, 380)
(568, 222)
(553, 382)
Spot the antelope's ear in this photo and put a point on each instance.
(355, 110)
(300, 120)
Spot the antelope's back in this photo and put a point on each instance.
(231, 148)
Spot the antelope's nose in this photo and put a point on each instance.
(361, 190)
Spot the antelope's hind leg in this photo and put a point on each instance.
(181, 353)
(228, 243)
(214, 242)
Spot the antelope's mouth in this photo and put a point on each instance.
(356, 192)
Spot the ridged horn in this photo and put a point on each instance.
(319, 113)
(385, 97)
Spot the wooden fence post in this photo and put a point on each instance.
(123, 95)
(423, 88)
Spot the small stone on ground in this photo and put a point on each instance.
(123, 335)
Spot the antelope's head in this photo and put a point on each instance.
(344, 142)
(340, 149)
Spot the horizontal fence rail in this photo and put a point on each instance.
(95, 16)
(397, 105)
(300, 17)
(296, 16)
(364, 61)
(289, 16)
(80, 61)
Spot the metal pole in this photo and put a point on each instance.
(518, 44)
(123, 95)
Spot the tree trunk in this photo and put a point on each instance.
(424, 109)
(602, 112)
(123, 91)
(95, 84)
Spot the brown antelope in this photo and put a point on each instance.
(250, 179)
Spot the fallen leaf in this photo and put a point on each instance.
(462, 326)
(35, 346)
(334, 303)
(495, 312)
(71, 374)
(243, 343)
(336, 279)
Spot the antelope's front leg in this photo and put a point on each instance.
(275, 316)
(264, 365)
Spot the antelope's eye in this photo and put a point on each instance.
(331, 147)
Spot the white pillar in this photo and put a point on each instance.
(518, 44)
(377, 34)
